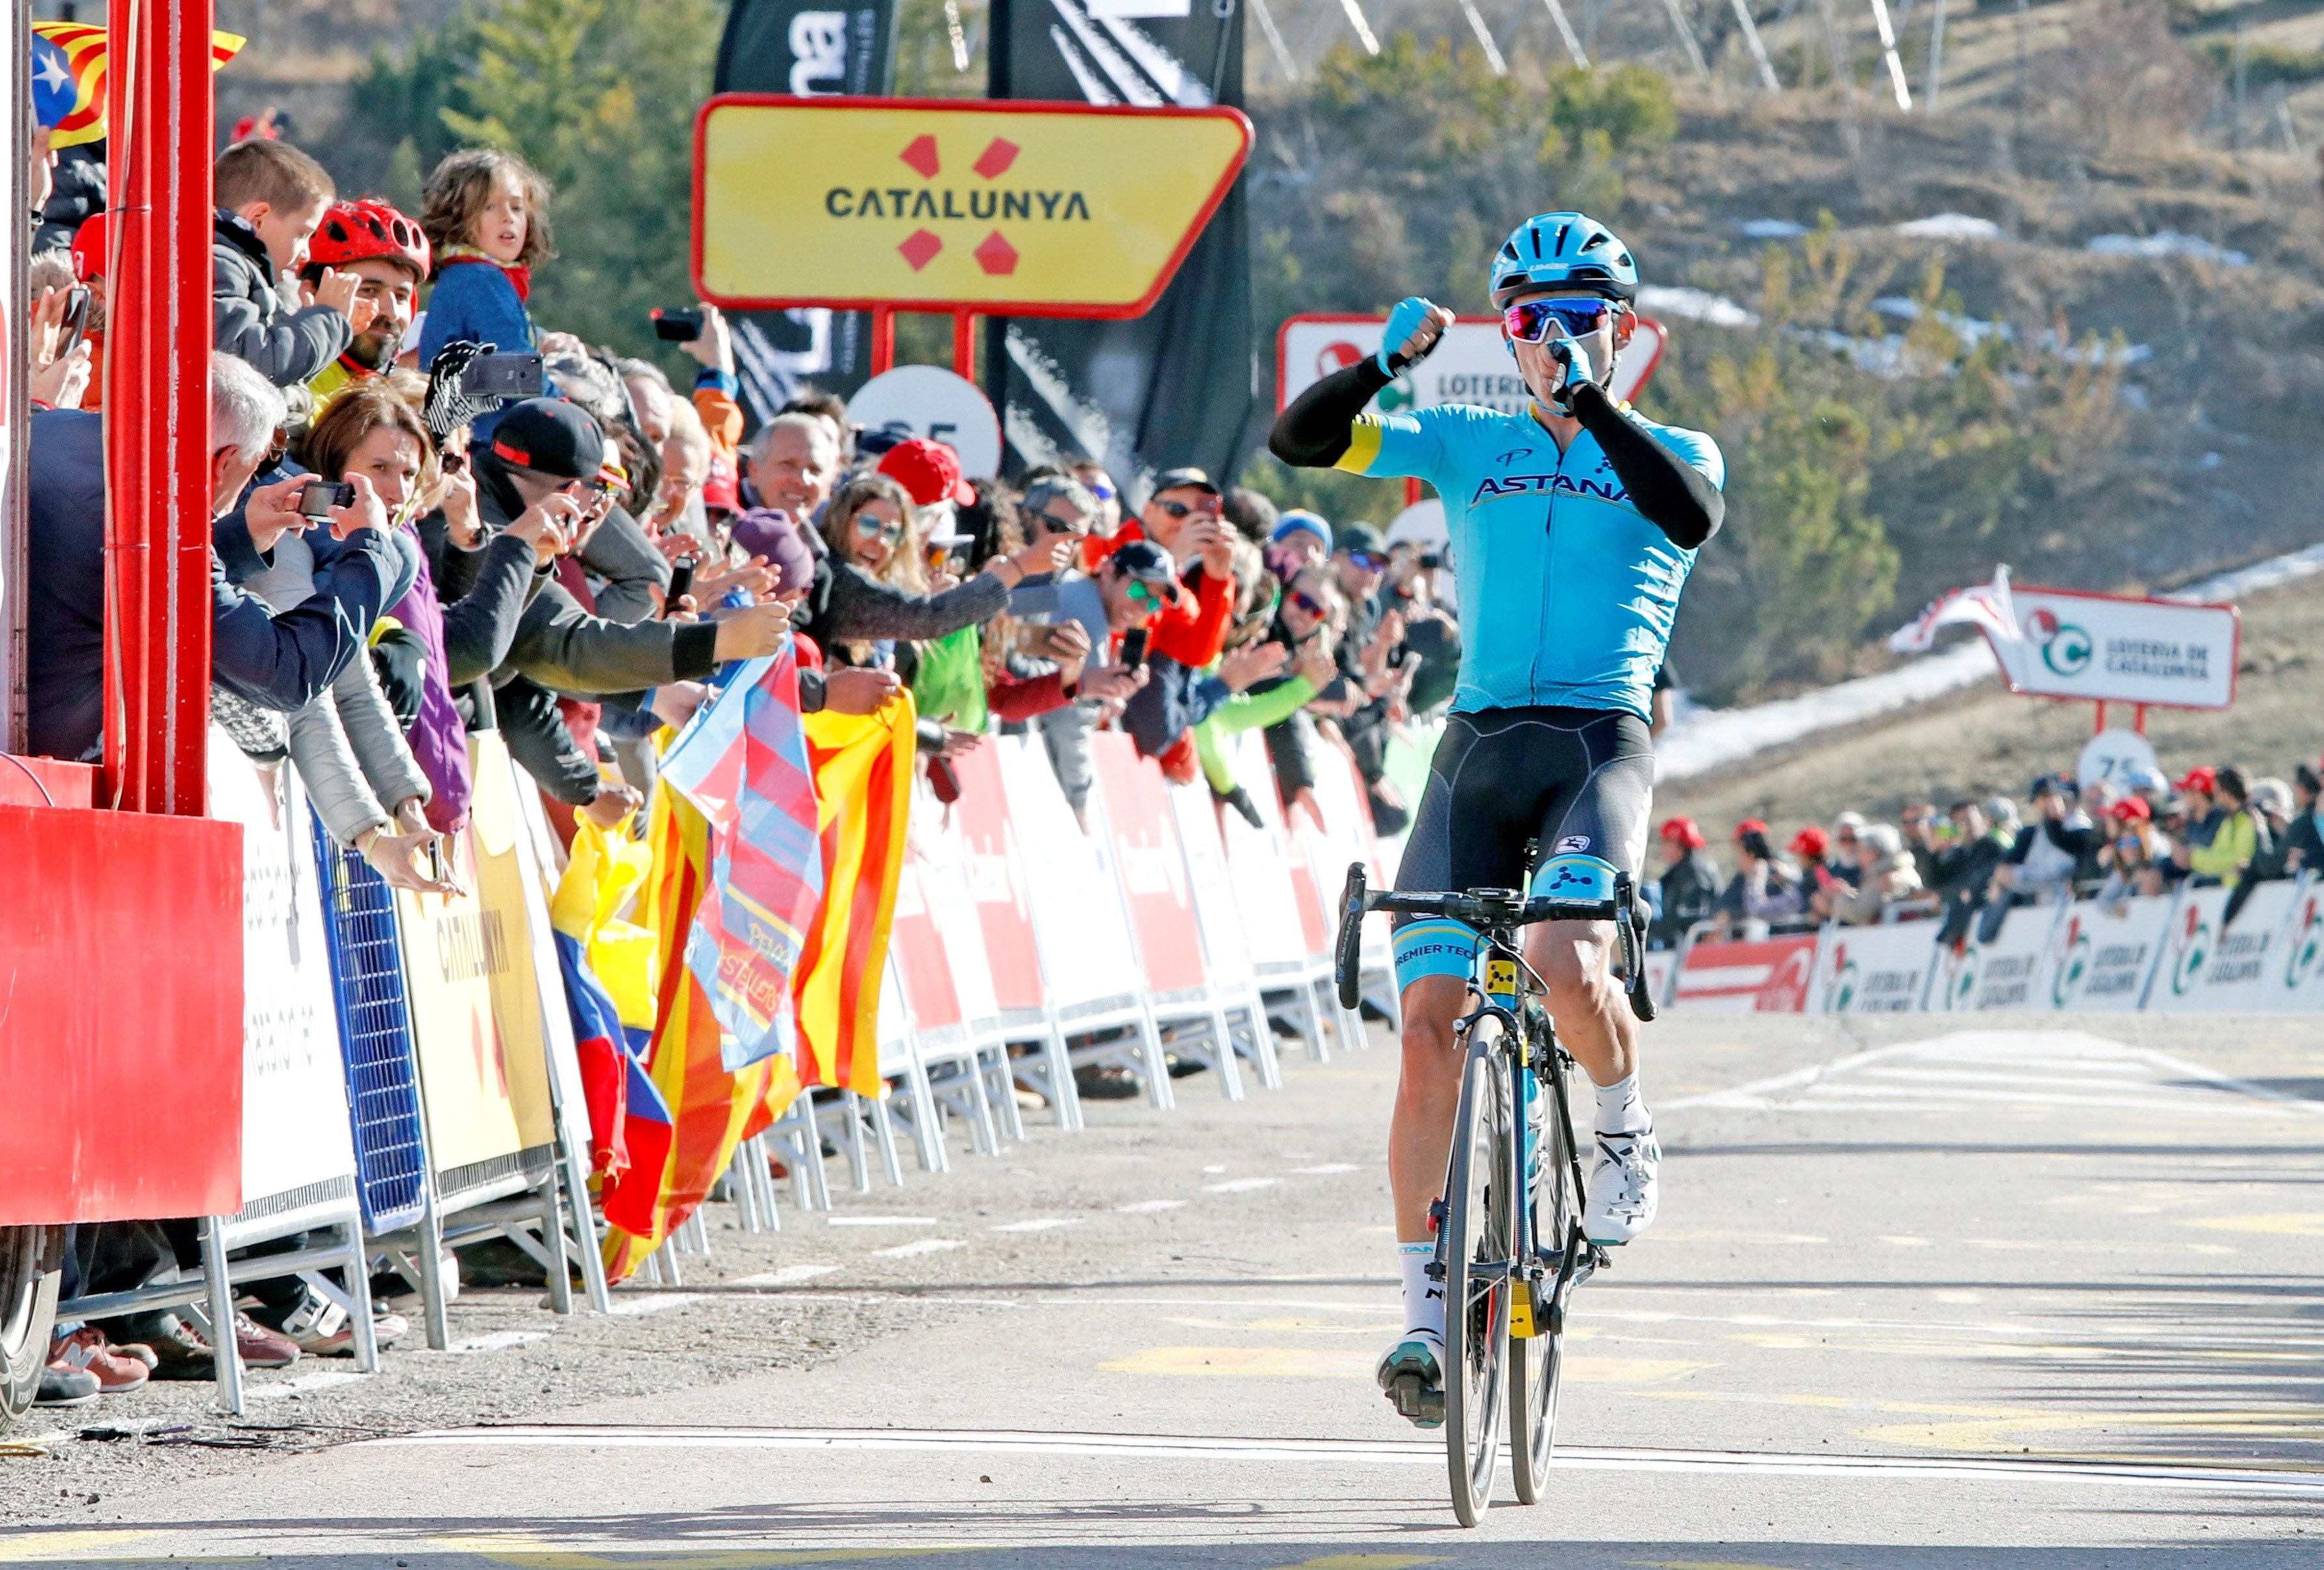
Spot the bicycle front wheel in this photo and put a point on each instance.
(1479, 1232)
(1537, 1362)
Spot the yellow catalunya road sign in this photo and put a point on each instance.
(1031, 209)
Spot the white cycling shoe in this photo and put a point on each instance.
(1622, 1195)
(1412, 1376)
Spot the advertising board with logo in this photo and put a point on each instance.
(2114, 648)
(1472, 364)
(2214, 965)
(1024, 208)
(1767, 975)
(2294, 980)
(2001, 974)
(2100, 956)
(1872, 970)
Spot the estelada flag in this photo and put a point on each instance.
(863, 792)
(69, 78)
(711, 1110)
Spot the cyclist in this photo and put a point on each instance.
(1573, 526)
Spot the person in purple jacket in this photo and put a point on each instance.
(486, 212)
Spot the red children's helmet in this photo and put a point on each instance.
(367, 231)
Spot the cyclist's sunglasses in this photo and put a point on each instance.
(1530, 322)
(1180, 509)
(871, 528)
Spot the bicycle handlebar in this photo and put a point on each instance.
(1490, 909)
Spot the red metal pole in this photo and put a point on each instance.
(159, 119)
(2138, 719)
(2099, 728)
(1411, 491)
(963, 344)
(883, 338)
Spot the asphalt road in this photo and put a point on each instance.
(2042, 1295)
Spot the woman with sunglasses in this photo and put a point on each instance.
(1573, 526)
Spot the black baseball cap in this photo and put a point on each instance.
(1146, 563)
(1359, 536)
(550, 437)
(1184, 479)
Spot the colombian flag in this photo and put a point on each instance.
(69, 78)
(864, 791)
(710, 1111)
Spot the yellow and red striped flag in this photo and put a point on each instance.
(69, 78)
(863, 792)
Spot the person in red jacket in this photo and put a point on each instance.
(1182, 517)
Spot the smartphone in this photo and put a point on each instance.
(502, 376)
(681, 581)
(75, 321)
(320, 498)
(676, 327)
(452, 463)
(435, 859)
(1133, 649)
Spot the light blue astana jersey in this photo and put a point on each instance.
(1566, 593)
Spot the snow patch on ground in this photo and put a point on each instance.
(2166, 243)
(1695, 305)
(1951, 227)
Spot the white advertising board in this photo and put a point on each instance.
(294, 1098)
(1471, 366)
(1999, 975)
(2100, 956)
(1872, 970)
(1227, 958)
(1257, 863)
(2216, 965)
(2294, 980)
(1086, 953)
(2119, 649)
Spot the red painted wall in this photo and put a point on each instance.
(120, 1015)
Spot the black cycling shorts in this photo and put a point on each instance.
(1576, 781)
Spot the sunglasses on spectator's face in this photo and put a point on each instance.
(1100, 490)
(872, 528)
(1053, 524)
(1305, 602)
(1531, 321)
(1145, 593)
(1207, 505)
(1366, 561)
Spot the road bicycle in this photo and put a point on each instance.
(1509, 1269)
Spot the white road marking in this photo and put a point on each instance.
(917, 1246)
(1150, 1206)
(1241, 1185)
(788, 1274)
(302, 1385)
(881, 1220)
(1326, 1170)
(642, 1303)
(1378, 1452)
(1040, 1223)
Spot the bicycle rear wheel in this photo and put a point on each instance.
(1537, 1362)
(1478, 1232)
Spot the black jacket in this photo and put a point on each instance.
(246, 316)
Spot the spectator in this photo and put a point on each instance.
(270, 197)
(1918, 823)
(487, 213)
(1820, 884)
(389, 257)
(794, 463)
(1845, 857)
(1688, 891)
(1983, 834)
(2197, 807)
(2133, 857)
(1301, 539)
(1252, 515)
(1107, 521)
(2237, 832)
(2304, 839)
(2058, 849)
(1886, 877)
(828, 407)
(1763, 888)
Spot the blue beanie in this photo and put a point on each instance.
(1300, 521)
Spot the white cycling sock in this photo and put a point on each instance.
(1621, 1110)
(1424, 1299)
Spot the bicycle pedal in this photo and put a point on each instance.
(1416, 1402)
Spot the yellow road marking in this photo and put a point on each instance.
(1319, 1362)
(52, 1545)
(533, 1553)
(2297, 1223)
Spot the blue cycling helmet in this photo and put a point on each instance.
(1569, 249)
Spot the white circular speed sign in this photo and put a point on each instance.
(2113, 756)
(939, 404)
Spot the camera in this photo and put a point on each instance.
(1430, 560)
(681, 579)
(676, 327)
(321, 498)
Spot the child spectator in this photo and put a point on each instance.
(269, 197)
(486, 212)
